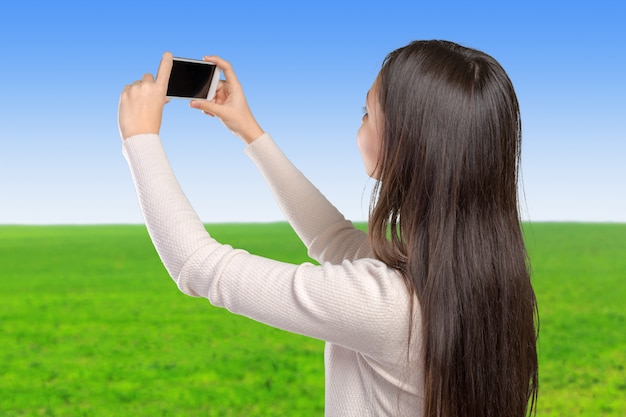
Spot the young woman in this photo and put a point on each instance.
(431, 313)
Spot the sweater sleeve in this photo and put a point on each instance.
(353, 304)
(328, 236)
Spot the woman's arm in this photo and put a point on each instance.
(354, 304)
(328, 236)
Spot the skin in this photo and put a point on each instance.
(141, 108)
(368, 137)
(141, 103)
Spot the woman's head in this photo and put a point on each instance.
(447, 160)
(448, 137)
(450, 128)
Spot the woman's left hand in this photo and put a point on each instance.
(141, 103)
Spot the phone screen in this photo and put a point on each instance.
(190, 79)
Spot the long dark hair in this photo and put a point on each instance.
(445, 214)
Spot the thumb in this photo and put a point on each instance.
(209, 107)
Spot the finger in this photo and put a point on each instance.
(165, 68)
(207, 107)
(147, 78)
(225, 66)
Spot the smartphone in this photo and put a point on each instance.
(193, 79)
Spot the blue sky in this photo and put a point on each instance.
(306, 68)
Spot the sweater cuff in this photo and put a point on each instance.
(138, 143)
(262, 142)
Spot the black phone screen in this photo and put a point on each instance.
(190, 79)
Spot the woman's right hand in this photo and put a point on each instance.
(141, 103)
(230, 104)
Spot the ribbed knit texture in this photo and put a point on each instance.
(351, 300)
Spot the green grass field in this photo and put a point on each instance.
(92, 325)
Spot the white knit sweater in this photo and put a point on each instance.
(354, 302)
